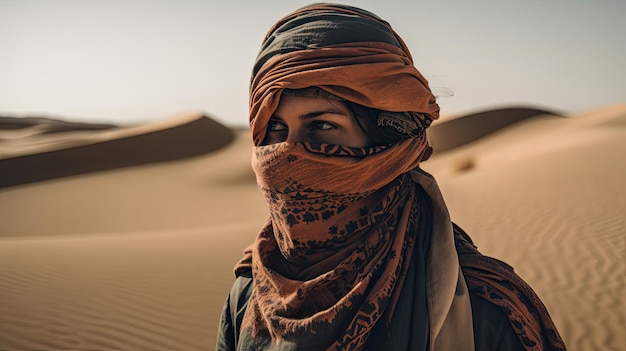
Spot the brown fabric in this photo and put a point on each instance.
(496, 282)
(330, 263)
(372, 73)
(332, 259)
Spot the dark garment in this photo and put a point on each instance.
(232, 314)
(492, 330)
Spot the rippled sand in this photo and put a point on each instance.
(140, 257)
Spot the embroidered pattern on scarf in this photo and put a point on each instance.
(326, 287)
(331, 261)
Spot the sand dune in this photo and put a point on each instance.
(48, 124)
(141, 257)
(467, 128)
(45, 149)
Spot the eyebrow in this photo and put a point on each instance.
(314, 114)
(320, 113)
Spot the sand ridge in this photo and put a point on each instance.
(54, 150)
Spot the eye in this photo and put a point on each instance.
(321, 125)
(275, 126)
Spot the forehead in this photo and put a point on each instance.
(299, 106)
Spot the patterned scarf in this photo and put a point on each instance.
(497, 282)
(345, 222)
(332, 260)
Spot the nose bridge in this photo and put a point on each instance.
(296, 133)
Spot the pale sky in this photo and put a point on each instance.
(128, 61)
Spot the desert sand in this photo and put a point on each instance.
(124, 238)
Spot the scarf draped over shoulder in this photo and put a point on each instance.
(345, 223)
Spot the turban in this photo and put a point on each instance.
(345, 51)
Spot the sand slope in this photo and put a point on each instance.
(53, 149)
(140, 258)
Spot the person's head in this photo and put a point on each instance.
(331, 61)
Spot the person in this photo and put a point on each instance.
(359, 252)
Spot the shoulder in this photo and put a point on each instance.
(240, 293)
(238, 299)
(492, 329)
(232, 313)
